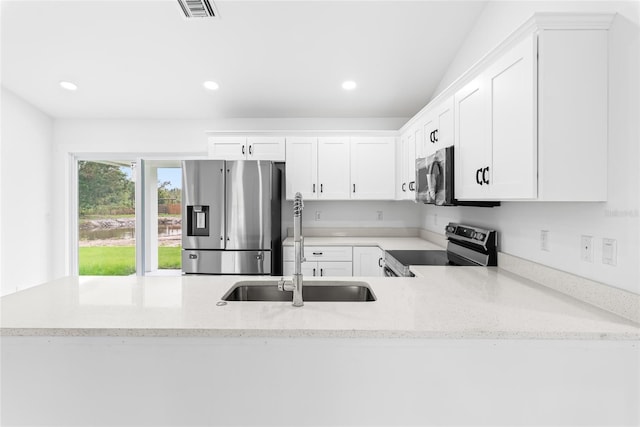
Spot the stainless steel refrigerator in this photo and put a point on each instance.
(231, 217)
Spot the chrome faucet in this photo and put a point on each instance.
(295, 284)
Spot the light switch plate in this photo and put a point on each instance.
(380, 216)
(609, 251)
(318, 215)
(544, 240)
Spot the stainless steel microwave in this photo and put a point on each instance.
(434, 178)
(435, 181)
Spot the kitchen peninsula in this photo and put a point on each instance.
(162, 348)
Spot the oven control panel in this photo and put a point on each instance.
(486, 238)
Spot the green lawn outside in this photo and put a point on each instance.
(121, 260)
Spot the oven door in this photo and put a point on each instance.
(389, 272)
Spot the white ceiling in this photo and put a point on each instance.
(143, 59)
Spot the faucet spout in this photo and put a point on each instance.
(296, 282)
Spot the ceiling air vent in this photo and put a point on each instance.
(197, 8)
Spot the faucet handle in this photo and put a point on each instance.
(281, 284)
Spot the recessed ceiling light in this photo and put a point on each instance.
(210, 85)
(349, 85)
(68, 86)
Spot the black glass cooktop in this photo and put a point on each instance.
(420, 257)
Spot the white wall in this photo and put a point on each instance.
(185, 137)
(520, 223)
(338, 214)
(26, 193)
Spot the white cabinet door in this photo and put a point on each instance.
(472, 146)
(373, 168)
(512, 91)
(334, 168)
(227, 147)
(439, 126)
(445, 124)
(301, 167)
(334, 269)
(367, 261)
(309, 268)
(266, 148)
(410, 166)
(406, 166)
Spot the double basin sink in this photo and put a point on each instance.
(312, 291)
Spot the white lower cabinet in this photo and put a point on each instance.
(368, 261)
(320, 269)
(321, 261)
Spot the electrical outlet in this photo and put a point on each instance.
(609, 251)
(380, 216)
(586, 248)
(317, 215)
(544, 240)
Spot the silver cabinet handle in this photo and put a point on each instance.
(314, 272)
(321, 272)
(380, 262)
(317, 253)
(314, 188)
(250, 153)
(242, 149)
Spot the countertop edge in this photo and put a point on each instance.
(305, 333)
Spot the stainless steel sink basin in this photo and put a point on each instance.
(312, 291)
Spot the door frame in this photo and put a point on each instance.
(141, 202)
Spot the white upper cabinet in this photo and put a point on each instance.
(438, 128)
(334, 173)
(405, 186)
(512, 89)
(266, 148)
(495, 149)
(372, 168)
(301, 167)
(472, 145)
(529, 121)
(228, 147)
(573, 122)
(247, 148)
(340, 168)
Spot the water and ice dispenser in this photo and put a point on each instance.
(198, 220)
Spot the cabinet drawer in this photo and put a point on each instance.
(320, 269)
(320, 253)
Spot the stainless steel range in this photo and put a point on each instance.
(467, 245)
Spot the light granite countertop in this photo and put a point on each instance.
(443, 302)
(384, 243)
